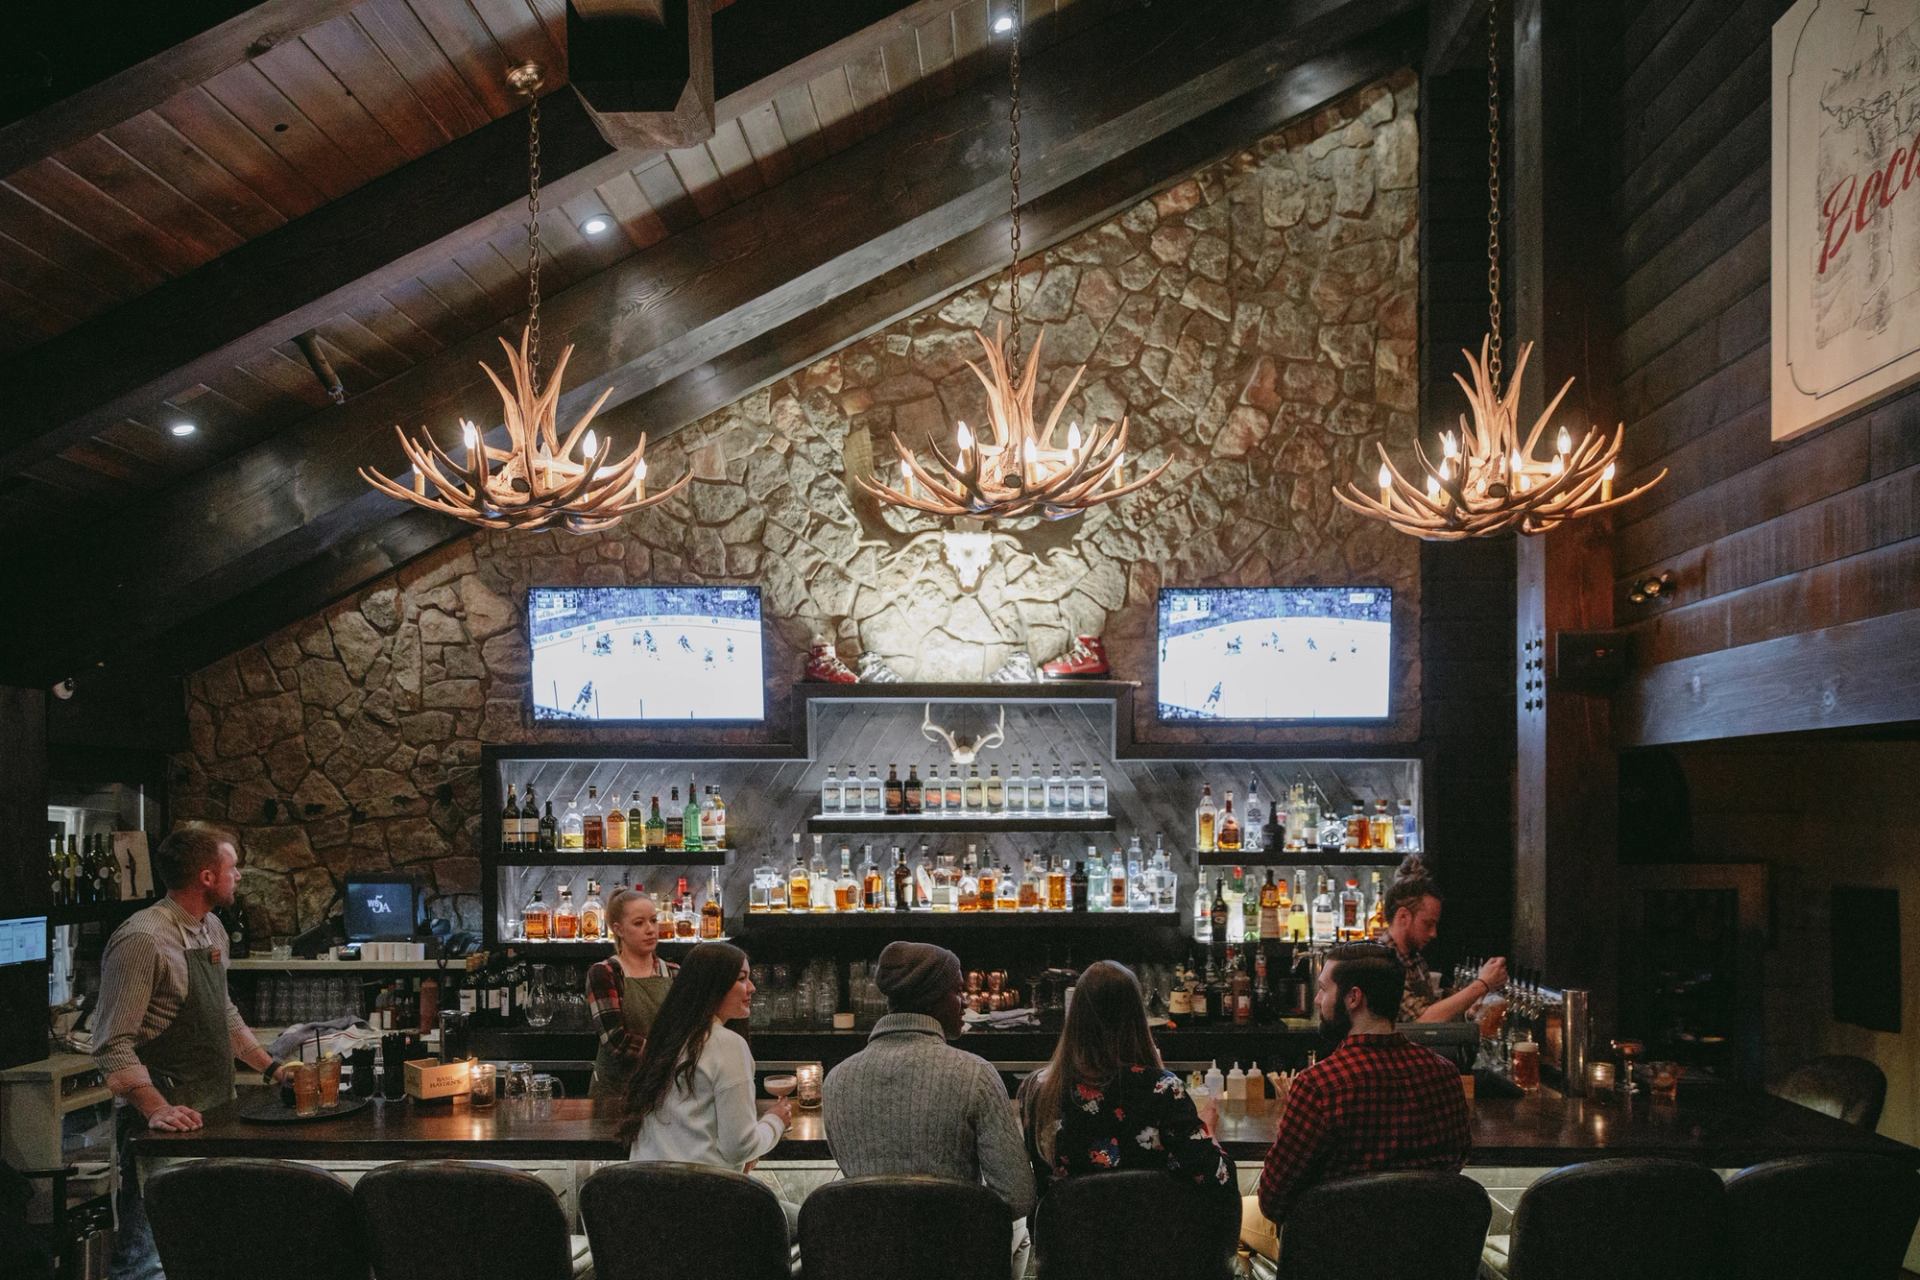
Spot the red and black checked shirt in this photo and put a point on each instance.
(1376, 1104)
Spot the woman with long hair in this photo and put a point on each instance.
(691, 1097)
(1104, 1101)
(625, 991)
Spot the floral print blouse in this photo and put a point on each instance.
(1141, 1120)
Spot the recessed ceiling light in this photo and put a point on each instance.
(1002, 24)
(595, 225)
(182, 429)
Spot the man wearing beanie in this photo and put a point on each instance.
(911, 1103)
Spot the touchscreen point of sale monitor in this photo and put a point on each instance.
(1275, 653)
(646, 653)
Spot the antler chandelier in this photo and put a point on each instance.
(1488, 479)
(538, 479)
(1013, 467)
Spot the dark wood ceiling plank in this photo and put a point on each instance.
(428, 311)
(734, 159)
(867, 82)
(351, 57)
(523, 36)
(456, 290)
(140, 440)
(470, 47)
(168, 72)
(126, 235)
(630, 207)
(698, 174)
(131, 185)
(41, 278)
(224, 137)
(664, 191)
(761, 126)
(412, 51)
(259, 104)
(177, 161)
(335, 111)
(392, 326)
(833, 106)
(27, 316)
(26, 219)
(800, 125)
(685, 303)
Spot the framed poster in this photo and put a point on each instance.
(1846, 207)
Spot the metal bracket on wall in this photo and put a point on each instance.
(1533, 672)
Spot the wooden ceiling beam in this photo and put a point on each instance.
(389, 231)
(185, 60)
(663, 314)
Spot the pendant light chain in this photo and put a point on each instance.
(1493, 196)
(533, 239)
(1013, 121)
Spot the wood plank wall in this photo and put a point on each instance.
(1764, 541)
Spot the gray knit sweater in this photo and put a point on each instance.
(911, 1103)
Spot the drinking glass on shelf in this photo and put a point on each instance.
(282, 947)
(480, 1084)
(329, 1067)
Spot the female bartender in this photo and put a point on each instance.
(625, 991)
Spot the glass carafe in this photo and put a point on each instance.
(539, 1008)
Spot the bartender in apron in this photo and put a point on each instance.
(165, 1032)
(625, 991)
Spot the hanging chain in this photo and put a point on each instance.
(1493, 196)
(533, 240)
(1013, 267)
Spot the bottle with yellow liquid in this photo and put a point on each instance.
(1030, 887)
(593, 914)
(799, 883)
(1204, 815)
(566, 921)
(1056, 886)
(711, 920)
(535, 920)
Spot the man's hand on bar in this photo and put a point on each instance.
(174, 1119)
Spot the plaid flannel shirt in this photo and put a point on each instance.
(1377, 1103)
(605, 985)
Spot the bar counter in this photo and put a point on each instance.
(1722, 1127)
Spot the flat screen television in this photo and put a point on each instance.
(646, 653)
(1255, 654)
(379, 908)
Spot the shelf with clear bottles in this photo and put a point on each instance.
(921, 920)
(1304, 858)
(1005, 823)
(615, 857)
(575, 949)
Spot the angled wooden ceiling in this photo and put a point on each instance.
(163, 265)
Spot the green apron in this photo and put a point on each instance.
(640, 1001)
(191, 1062)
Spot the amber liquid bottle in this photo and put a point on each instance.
(711, 920)
(593, 826)
(1056, 887)
(566, 921)
(873, 886)
(675, 834)
(616, 825)
(656, 829)
(902, 881)
(989, 884)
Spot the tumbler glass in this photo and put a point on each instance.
(480, 1083)
(306, 1089)
(544, 1090)
(329, 1069)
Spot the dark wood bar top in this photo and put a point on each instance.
(1725, 1128)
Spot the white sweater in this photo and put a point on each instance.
(714, 1122)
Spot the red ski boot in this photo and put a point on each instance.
(824, 665)
(1086, 660)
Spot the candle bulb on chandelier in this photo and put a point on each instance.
(1606, 483)
(593, 445)
(1563, 443)
(1386, 485)
(1073, 437)
(471, 438)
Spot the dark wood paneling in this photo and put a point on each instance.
(23, 862)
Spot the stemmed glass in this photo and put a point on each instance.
(1628, 1050)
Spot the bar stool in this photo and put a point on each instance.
(1135, 1222)
(1439, 1225)
(456, 1220)
(1632, 1219)
(876, 1229)
(663, 1220)
(242, 1219)
(1822, 1215)
(1838, 1085)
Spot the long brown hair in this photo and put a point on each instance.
(1106, 1032)
(680, 1029)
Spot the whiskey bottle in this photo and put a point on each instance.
(593, 822)
(1353, 912)
(675, 830)
(1006, 890)
(616, 824)
(1269, 908)
(1227, 838)
(894, 798)
(1381, 828)
(1299, 925)
(1031, 890)
(1220, 911)
(535, 920)
(1077, 887)
(1357, 827)
(510, 826)
(846, 890)
(656, 829)
(966, 886)
(593, 914)
(911, 791)
(902, 881)
(1204, 815)
(711, 919)
(873, 886)
(636, 823)
(549, 832)
(1120, 878)
(572, 829)
(1056, 885)
(566, 921)
(987, 887)
(799, 884)
(1377, 918)
(943, 884)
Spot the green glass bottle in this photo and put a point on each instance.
(690, 820)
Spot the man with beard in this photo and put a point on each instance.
(1377, 1103)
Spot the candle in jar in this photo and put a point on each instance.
(1600, 1075)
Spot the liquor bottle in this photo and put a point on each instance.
(873, 797)
(1377, 918)
(636, 823)
(549, 832)
(933, 796)
(1250, 835)
(720, 816)
(831, 797)
(987, 886)
(1056, 885)
(709, 831)
(799, 883)
(1099, 887)
(1299, 924)
(966, 885)
(56, 878)
(760, 894)
(1310, 821)
(955, 799)
(711, 920)
(1353, 912)
(593, 821)
(1406, 836)
(873, 886)
(535, 919)
(1296, 817)
(911, 790)
(1006, 891)
(973, 793)
(690, 821)
(616, 824)
(1014, 794)
(593, 914)
(572, 829)
(819, 879)
(996, 790)
(1380, 830)
(566, 921)
(1077, 886)
(656, 828)
(1269, 919)
(1324, 916)
(943, 888)
(1263, 1010)
(1036, 789)
(1357, 827)
(1165, 879)
(510, 826)
(1227, 834)
(1274, 835)
(1056, 792)
(1076, 791)
(1120, 877)
(893, 796)
(674, 830)
(902, 881)
(1097, 792)
(1219, 912)
(1202, 914)
(846, 890)
(686, 917)
(239, 944)
(1030, 890)
(1204, 815)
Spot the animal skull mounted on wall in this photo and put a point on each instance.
(962, 748)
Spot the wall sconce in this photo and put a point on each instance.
(1655, 589)
(968, 551)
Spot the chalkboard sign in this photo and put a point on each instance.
(1866, 951)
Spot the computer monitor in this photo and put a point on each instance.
(380, 908)
(23, 940)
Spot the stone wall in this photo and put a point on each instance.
(1258, 325)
